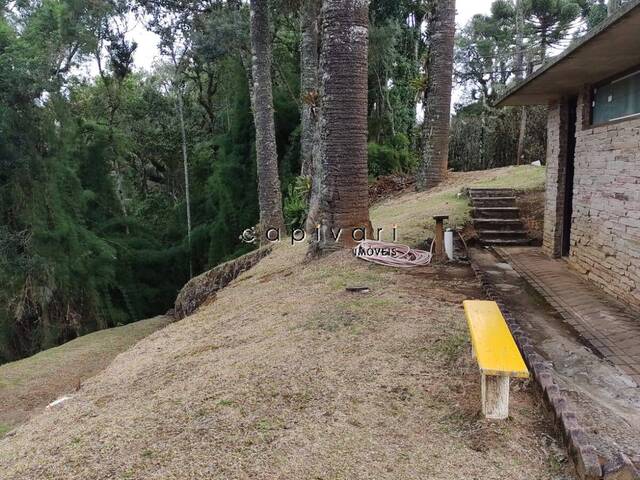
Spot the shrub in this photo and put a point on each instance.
(395, 157)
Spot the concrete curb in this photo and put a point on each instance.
(583, 454)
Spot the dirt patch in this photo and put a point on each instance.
(390, 186)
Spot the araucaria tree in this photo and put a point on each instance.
(344, 200)
(309, 86)
(309, 58)
(550, 22)
(269, 194)
(437, 103)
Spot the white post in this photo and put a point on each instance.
(448, 243)
(495, 397)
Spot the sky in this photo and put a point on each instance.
(468, 8)
(147, 51)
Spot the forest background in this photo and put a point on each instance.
(98, 173)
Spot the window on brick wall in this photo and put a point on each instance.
(617, 100)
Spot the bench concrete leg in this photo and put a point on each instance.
(495, 397)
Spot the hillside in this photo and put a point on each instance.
(287, 375)
(28, 385)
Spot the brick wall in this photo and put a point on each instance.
(556, 165)
(605, 235)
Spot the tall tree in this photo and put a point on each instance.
(111, 38)
(269, 194)
(344, 202)
(519, 73)
(309, 86)
(551, 22)
(175, 31)
(178, 59)
(592, 12)
(309, 63)
(185, 164)
(484, 56)
(437, 104)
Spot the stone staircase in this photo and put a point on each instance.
(496, 218)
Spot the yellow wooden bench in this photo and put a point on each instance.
(497, 354)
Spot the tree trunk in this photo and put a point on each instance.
(437, 109)
(309, 139)
(519, 56)
(524, 114)
(309, 59)
(483, 122)
(544, 43)
(185, 161)
(519, 73)
(612, 6)
(418, 19)
(522, 134)
(313, 216)
(269, 194)
(344, 201)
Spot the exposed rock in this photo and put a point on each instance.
(203, 288)
(620, 468)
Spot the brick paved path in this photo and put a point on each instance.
(609, 326)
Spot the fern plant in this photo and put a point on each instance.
(296, 203)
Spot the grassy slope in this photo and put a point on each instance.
(34, 382)
(287, 375)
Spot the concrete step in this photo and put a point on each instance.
(494, 201)
(491, 192)
(497, 224)
(496, 212)
(503, 242)
(502, 234)
(496, 217)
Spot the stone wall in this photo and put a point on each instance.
(605, 235)
(556, 165)
(203, 288)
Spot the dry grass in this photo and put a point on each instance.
(30, 384)
(288, 376)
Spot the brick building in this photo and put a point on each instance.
(592, 212)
